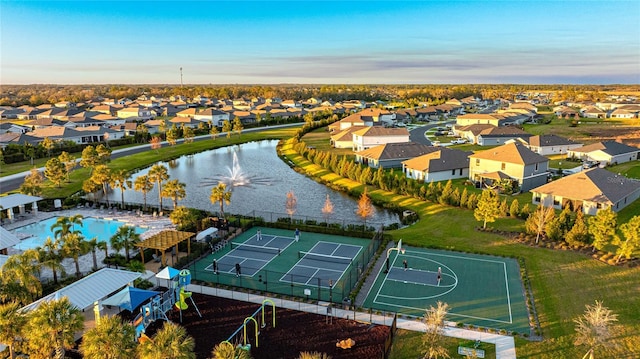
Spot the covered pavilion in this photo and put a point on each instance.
(19, 200)
(163, 241)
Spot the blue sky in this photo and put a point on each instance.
(328, 42)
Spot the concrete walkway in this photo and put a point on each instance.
(505, 345)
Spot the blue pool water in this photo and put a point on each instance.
(91, 227)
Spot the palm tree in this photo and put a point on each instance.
(93, 244)
(73, 246)
(226, 350)
(120, 179)
(52, 328)
(175, 190)
(157, 174)
(434, 331)
(170, 342)
(66, 225)
(220, 194)
(50, 257)
(126, 237)
(19, 276)
(110, 339)
(143, 184)
(12, 322)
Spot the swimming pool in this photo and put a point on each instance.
(36, 234)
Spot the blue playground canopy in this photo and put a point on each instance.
(129, 298)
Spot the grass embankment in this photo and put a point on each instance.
(563, 282)
(141, 160)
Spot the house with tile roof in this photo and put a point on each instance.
(344, 138)
(607, 152)
(349, 121)
(440, 165)
(622, 113)
(184, 121)
(593, 112)
(512, 160)
(495, 119)
(135, 113)
(371, 136)
(500, 135)
(551, 145)
(215, 116)
(590, 191)
(391, 155)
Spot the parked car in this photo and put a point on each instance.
(459, 141)
(589, 164)
(435, 143)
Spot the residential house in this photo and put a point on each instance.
(344, 138)
(370, 136)
(494, 119)
(470, 132)
(13, 128)
(215, 116)
(184, 121)
(430, 113)
(8, 113)
(524, 105)
(377, 115)
(135, 113)
(349, 121)
(245, 117)
(29, 114)
(291, 104)
(547, 145)
(156, 126)
(440, 165)
(187, 113)
(391, 155)
(17, 139)
(500, 135)
(590, 191)
(619, 113)
(512, 160)
(607, 152)
(593, 112)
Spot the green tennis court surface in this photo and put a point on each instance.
(318, 266)
(480, 290)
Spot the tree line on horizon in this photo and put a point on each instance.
(38, 94)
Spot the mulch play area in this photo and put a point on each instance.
(294, 331)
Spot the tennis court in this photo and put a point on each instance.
(326, 266)
(480, 290)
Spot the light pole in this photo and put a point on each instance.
(398, 248)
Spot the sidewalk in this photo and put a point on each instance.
(505, 345)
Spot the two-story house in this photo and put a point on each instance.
(512, 160)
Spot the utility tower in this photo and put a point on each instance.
(181, 77)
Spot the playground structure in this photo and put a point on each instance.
(175, 297)
(258, 318)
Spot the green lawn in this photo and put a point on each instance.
(406, 345)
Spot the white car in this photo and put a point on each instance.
(459, 141)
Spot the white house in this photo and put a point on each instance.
(441, 165)
(608, 152)
(376, 135)
(216, 117)
(551, 145)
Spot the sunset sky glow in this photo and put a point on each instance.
(146, 42)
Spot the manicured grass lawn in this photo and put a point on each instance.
(407, 344)
(320, 139)
(563, 282)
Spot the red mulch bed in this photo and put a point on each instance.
(294, 332)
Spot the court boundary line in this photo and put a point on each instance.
(246, 258)
(344, 271)
(504, 264)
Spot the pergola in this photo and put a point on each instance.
(163, 241)
(19, 200)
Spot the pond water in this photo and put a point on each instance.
(269, 179)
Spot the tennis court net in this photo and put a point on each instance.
(254, 248)
(324, 257)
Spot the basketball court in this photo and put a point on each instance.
(480, 290)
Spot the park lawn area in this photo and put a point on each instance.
(18, 167)
(563, 282)
(148, 158)
(407, 344)
(588, 131)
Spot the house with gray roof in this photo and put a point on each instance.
(606, 153)
(391, 155)
(551, 145)
(440, 165)
(590, 191)
(512, 160)
(500, 135)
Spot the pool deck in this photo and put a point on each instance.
(155, 224)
